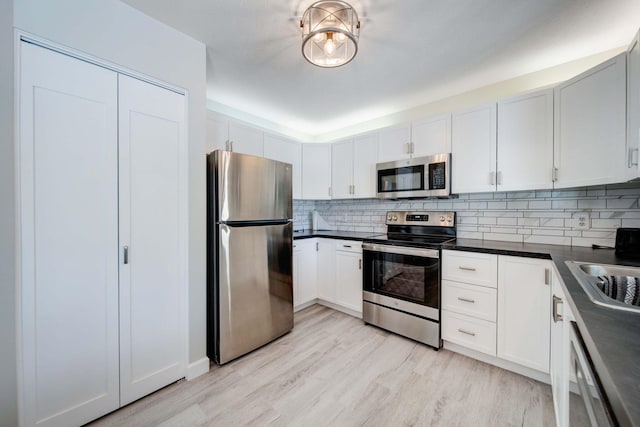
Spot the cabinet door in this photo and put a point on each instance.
(326, 270)
(68, 235)
(590, 126)
(524, 292)
(304, 271)
(394, 143)
(217, 132)
(633, 107)
(316, 171)
(342, 169)
(560, 352)
(365, 157)
(153, 201)
(431, 136)
(245, 139)
(349, 280)
(288, 151)
(473, 150)
(525, 142)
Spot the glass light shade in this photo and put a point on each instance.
(330, 32)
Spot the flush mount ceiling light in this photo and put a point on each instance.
(330, 32)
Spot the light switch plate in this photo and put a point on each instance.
(582, 221)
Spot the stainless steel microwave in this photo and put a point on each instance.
(428, 176)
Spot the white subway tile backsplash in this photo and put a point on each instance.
(544, 216)
(548, 240)
(564, 204)
(496, 205)
(605, 223)
(503, 237)
(540, 204)
(624, 203)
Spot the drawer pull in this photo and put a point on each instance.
(467, 300)
(467, 268)
(473, 334)
(346, 246)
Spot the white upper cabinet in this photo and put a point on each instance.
(431, 136)
(342, 169)
(316, 171)
(245, 139)
(217, 132)
(590, 126)
(288, 151)
(365, 157)
(473, 148)
(633, 107)
(231, 135)
(353, 167)
(394, 143)
(525, 142)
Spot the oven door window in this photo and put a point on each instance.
(410, 178)
(407, 277)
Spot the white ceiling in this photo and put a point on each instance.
(411, 52)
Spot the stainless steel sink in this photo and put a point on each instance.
(589, 276)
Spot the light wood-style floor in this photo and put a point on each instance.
(333, 370)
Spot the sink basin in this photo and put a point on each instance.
(596, 278)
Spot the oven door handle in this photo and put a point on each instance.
(401, 250)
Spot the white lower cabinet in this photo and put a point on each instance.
(524, 289)
(305, 272)
(470, 332)
(349, 275)
(330, 271)
(561, 317)
(101, 239)
(469, 282)
(498, 305)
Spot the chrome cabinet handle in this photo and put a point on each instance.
(346, 246)
(467, 268)
(556, 316)
(547, 276)
(125, 256)
(360, 264)
(467, 300)
(231, 145)
(499, 177)
(492, 178)
(464, 331)
(633, 157)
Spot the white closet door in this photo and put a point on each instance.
(152, 226)
(68, 238)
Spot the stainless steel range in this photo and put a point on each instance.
(402, 274)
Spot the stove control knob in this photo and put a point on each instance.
(395, 218)
(441, 219)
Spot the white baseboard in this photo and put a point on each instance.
(197, 368)
(340, 308)
(500, 363)
(305, 305)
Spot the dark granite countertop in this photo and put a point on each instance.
(612, 337)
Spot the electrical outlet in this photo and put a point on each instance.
(582, 221)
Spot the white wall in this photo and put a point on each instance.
(115, 32)
(8, 396)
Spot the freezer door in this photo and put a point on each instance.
(255, 287)
(250, 188)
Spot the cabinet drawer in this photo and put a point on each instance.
(470, 267)
(475, 334)
(349, 246)
(471, 300)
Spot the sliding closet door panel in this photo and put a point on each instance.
(152, 213)
(68, 238)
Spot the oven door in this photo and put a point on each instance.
(410, 275)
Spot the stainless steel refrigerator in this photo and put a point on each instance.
(249, 251)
